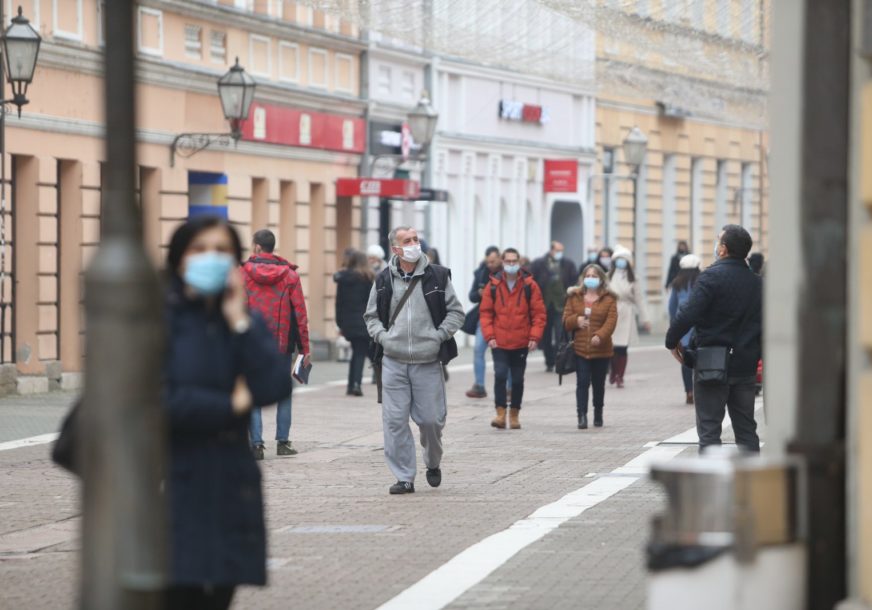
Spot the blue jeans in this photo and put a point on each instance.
(283, 418)
(478, 360)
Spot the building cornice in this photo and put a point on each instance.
(453, 65)
(507, 146)
(651, 111)
(408, 57)
(72, 57)
(257, 23)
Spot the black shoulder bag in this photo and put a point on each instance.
(712, 363)
(379, 351)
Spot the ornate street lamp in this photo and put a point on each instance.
(635, 146)
(422, 121)
(236, 92)
(20, 50)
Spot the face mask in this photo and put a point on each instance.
(558, 256)
(512, 269)
(591, 258)
(207, 272)
(605, 262)
(592, 282)
(411, 254)
(717, 246)
(621, 263)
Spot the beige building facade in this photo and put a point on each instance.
(306, 131)
(706, 163)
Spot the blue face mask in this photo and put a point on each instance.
(717, 246)
(207, 272)
(591, 282)
(512, 269)
(621, 263)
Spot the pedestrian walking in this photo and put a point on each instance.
(591, 315)
(554, 273)
(681, 288)
(513, 320)
(375, 254)
(353, 285)
(412, 314)
(675, 262)
(491, 264)
(604, 258)
(725, 309)
(631, 307)
(220, 363)
(274, 292)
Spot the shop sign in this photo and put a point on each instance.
(511, 110)
(378, 187)
(561, 176)
(294, 127)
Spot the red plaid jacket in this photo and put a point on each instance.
(274, 291)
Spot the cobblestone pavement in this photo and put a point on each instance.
(338, 540)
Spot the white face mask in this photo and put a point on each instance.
(717, 246)
(512, 269)
(411, 254)
(558, 255)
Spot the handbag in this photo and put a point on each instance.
(63, 452)
(565, 360)
(712, 362)
(470, 322)
(377, 352)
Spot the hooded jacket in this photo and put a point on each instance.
(412, 339)
(274, 291)
(507, 316)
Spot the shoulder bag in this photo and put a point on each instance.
(712, 363)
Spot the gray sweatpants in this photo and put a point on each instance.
(416, 391)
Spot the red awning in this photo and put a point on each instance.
(378, 187)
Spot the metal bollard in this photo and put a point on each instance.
(731, 538)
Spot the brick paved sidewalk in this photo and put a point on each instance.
(337, 540)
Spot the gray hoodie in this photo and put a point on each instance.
(413, 339)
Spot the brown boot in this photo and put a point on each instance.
(500, 420)
(514, 422)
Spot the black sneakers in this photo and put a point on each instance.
(434, 477)
(257, 450)
(284, 448)
(402, 487)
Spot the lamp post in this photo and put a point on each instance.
(236, 92)
(20, 47)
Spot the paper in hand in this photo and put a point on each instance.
(301, 373)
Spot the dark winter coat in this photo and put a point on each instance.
(352, 295)
(214, 484)
(674, 268)
(542, 276)
(480, 279)
(722, 296)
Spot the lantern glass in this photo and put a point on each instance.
(236, 91)
(635, 146)
(422, 121)
(20, 48)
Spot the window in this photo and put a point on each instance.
(318, 68)
(725, 18)
(748, 29)
(289, 62)
(259, 53)
(101, 22)
(383, 81)
(150, 31)
(407, 86)
(194, 41)
(343, 73)
(699, 14)
(245, 5)
(218, 46)
(67, 19)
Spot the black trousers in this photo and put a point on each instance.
(590, 373)
(552, 336)
(198, 598)
(359, 350)
(737, 397)
(504, 361)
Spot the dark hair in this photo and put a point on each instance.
(755, 262)
(604, 249)
(433, 254)
(186, 233)
(266, 239)
(491, 250)
(685, 279)
(631, 276)
(511, 251)
(357, 262)
(683, 243)
(737, 241)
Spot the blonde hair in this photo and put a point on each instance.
(604, 279)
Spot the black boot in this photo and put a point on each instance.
(355, 390)
(598, 417)
(582, 421)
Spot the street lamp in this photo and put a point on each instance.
(635, 146)
(236, 92)
(422, 121)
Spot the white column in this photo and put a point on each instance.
(668, 229)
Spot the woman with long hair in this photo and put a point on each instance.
(631, 303)
(352, 293)
(220, 362)
(681, 287)
(590, 315)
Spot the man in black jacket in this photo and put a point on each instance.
(554, 273)
(725, 308)
(491, 264)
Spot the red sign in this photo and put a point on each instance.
(511, 110)
(294, 127)
(561, 176)
(378, 187)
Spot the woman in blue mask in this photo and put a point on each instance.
(220, 362)
(631, 306)
(590, 315)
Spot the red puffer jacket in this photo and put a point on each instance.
(274, 291)
(508, 316)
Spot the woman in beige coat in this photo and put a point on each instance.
(631, 303)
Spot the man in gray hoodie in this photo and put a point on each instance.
(412, 338)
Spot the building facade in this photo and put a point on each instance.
(306, 129)
(693, 77)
